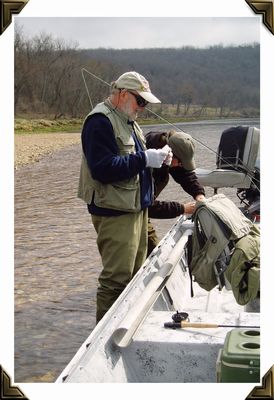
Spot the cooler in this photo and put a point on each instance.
(239, 360)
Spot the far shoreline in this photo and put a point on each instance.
(30, 148)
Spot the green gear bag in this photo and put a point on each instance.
(217, 224)
(243, 271)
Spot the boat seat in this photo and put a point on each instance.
(237, 158)
(219, 178)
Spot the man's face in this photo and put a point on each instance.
(176, 162)
(129, 105)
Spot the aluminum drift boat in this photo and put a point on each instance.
(131, 342)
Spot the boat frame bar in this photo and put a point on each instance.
(122, 336)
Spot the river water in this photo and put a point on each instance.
(56, 258)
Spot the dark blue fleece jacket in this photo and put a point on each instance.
(107, 166)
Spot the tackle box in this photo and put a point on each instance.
(239, 359)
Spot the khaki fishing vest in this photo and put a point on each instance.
(121, 195)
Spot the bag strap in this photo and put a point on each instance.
(189, 257)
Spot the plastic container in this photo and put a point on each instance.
(239, 360)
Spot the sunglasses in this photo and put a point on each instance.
(139, 99)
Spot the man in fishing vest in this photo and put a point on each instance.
(116, 183)
(182, 171)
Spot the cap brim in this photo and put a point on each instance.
(148, 97)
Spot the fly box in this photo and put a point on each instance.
(239, 360)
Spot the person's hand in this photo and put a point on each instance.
(168, 159)
(200, 197)
(189, 208)
(155, 158)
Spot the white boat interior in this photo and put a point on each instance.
(131, 344)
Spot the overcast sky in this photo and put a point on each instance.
(132, 32)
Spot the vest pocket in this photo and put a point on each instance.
(126, 145)
(123, 196)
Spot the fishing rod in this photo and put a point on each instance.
(86, 86)
(249, 172)
(181, 320)
(201, 325)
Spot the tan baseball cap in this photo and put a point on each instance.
(183, 147)
(134, 81)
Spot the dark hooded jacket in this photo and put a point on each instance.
(186, 179)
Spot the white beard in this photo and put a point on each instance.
(132, 116)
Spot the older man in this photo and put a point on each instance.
(116, 183)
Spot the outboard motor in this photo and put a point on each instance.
(238, 167)
(251, 197)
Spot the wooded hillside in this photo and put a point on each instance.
(48, 78)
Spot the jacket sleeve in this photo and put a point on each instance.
(188, 180)
(102, 154)
(165, 209)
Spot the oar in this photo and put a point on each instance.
(186, 324)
